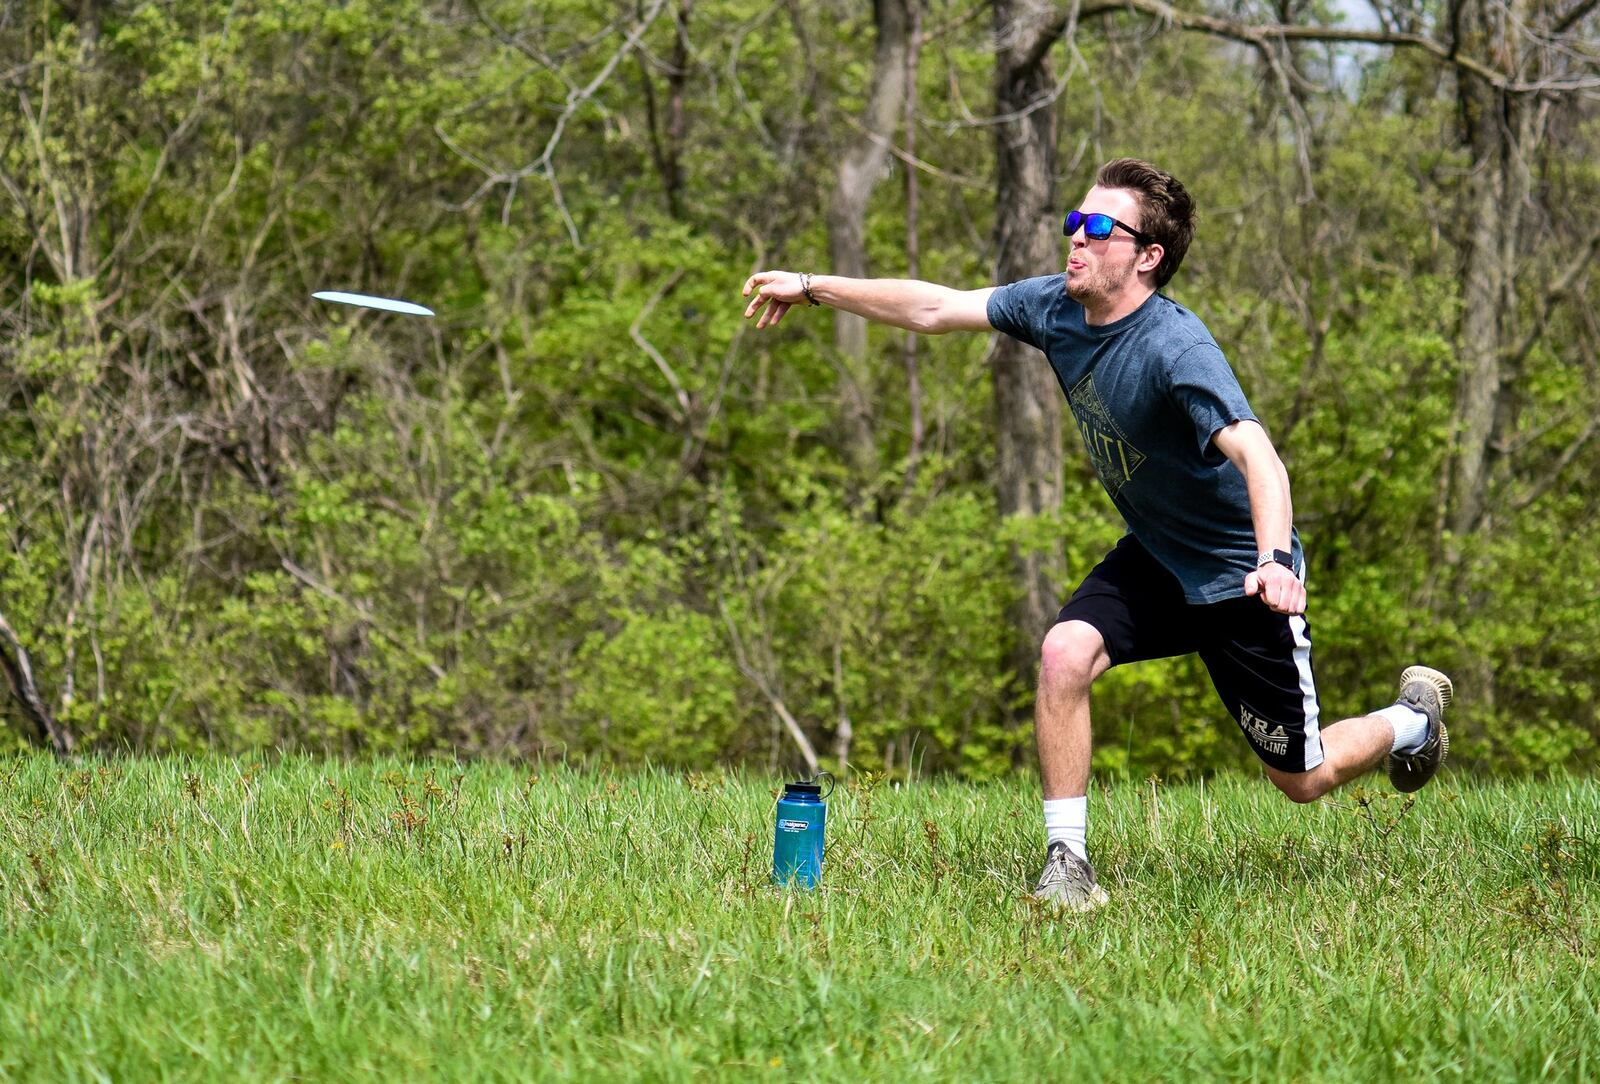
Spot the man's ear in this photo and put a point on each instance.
(1150, 258)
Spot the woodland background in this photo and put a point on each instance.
(588, 512)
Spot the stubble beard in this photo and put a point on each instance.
(1103, 284)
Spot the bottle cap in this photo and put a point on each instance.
(811, 786)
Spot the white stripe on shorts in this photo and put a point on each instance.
(1308, 691)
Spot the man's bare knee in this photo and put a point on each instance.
(1073, 655)
(1299, 787)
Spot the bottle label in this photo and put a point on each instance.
(793, 826)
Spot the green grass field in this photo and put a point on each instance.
(316, 920)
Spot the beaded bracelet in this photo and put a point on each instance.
(805, 288)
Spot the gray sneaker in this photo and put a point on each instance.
(1429, 692)
(1067, 882)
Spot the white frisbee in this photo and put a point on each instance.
(387, 304)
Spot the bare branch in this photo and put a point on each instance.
(1042, 101)
(60, 262)
(760, 680)
(735, 46)
(846, 730)
(577, 97)
(1572, 17)
(1553, 296)
(1258, 34)
(19, 673)
(551, 64)
(1063, 25)
(1297, 116)
(1558, 468)
(362, 612)
(655, 355)
(136, 215)
(918, 164)
(952, 25)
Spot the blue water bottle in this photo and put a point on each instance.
(797, 836)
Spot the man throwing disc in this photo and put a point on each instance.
(1211, 562)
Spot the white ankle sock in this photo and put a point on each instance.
(1067, 820)
(1410, 727)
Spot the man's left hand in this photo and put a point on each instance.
(1279, 588)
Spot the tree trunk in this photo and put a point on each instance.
(669, 136)
(913, 250)
(1502, 130)
(1027, 399)
(862, 167)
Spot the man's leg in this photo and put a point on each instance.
(1260, 662)
(1409, 734)
(1072, 658)
(1350, 748)
(1128, 608)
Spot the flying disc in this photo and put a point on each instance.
(387, 304)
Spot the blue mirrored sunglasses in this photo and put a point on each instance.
(1098, 227)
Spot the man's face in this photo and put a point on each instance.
(1098, 271)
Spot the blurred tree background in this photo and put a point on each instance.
(588, 512)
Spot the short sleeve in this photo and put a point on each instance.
(1204, 387)
(1020, 308)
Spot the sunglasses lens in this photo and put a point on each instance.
(1095, 227)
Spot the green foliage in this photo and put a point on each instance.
(588, 511)
(882, 624)
(658, 688)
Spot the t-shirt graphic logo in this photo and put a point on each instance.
(1113, 457)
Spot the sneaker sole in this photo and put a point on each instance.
(1441, 682)
(1446, 690)
(1096, 899)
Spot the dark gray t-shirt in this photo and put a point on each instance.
(1148, 392)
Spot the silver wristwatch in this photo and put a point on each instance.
(1276, 557)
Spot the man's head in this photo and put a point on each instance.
(1154, 224)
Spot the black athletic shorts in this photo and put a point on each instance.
(1259, 660)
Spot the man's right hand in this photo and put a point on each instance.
(923, 307)
(775, 292)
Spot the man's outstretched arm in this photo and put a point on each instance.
(923, 307)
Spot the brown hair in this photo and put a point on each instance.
(1166, 212)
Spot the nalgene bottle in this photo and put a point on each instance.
(797, 836)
